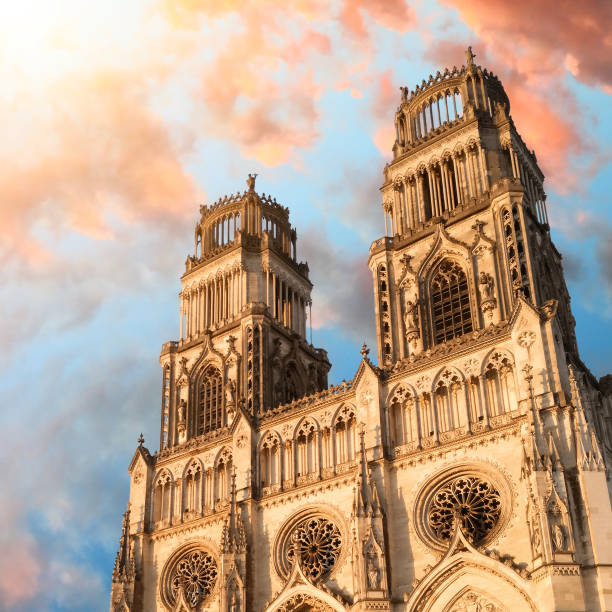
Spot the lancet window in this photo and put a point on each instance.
(210, 401)
(162, 498)
(223, 474)
(270, 461)
(450, 401)
(450, 299)
(501, 390)
(404, 426)
(345, 435)
(307, 449)
(192, 495)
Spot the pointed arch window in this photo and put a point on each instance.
(450, 301)
(210, 413)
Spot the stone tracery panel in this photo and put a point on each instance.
(191, 572)
(477, 495)
(316, 539)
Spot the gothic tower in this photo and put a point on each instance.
(468, 471)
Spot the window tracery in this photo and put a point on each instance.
(473, 500)
(194, 574)
(345, 435)
(210, 401)
(162, 498)
(270, 461)
(317, 542)
(500, 386)
(307, 448)
(450, 299)
(193, 489)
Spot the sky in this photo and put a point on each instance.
(120, 118)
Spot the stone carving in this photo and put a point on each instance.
(558, 538)
(317, 542)
(373, 572)
(474, 602)
(182, 409)
(475, 502)
(195, 574)
(526, 338)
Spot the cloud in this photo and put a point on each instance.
(342, 295)
(541, 44)
(543, 108)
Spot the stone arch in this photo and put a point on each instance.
(162, 498)
(306, 443)
(451, 402)
(222, 476)
(467, 572)
(344, 427)
(269, 453)
(305, 598)
(501, 384)
(193, 489)
(402, 415)
(449, 263)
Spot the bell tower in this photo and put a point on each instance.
(244, 308)
(465, 216)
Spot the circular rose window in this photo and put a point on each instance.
(194, 572)
(317, 542)
(479, 501)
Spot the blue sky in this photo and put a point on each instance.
(120, 119)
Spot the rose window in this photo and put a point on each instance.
(318, 542)
(475, 502)
(195, 573)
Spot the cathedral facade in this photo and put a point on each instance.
(468, 470)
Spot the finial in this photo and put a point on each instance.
(470, 56)
(251, 181)
(140, 439)
(365, 351)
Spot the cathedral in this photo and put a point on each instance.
(465, 469)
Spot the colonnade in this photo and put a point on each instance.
(441, 186)
(311, 452)
(219, 233)
(534, 192)
(286, 305)
(470, 403)
(211, 302)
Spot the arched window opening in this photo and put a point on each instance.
(270, 462)
(458, 103)
(346, 437)
(501, 392)
(449, 403)
(403, 418)
(427, 196)
(162, 499)
(193, 489)
(223, 475)
(306, 449)
(450, 302)
(210, 404)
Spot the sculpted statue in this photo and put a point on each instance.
(410, 314)
(230, 392)
(486, 286)
(234, 605)
(558, 538)
(373, 581)
(182, 410)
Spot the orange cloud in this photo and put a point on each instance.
(538, 44)
(93, 151)
(548, 123)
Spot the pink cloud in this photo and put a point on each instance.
(20, 570)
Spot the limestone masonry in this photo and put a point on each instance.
(468, 471)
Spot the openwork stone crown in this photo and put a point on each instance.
(315, 539)
(194, 574)
(473, 501)
(317, 542)
(476, 495)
